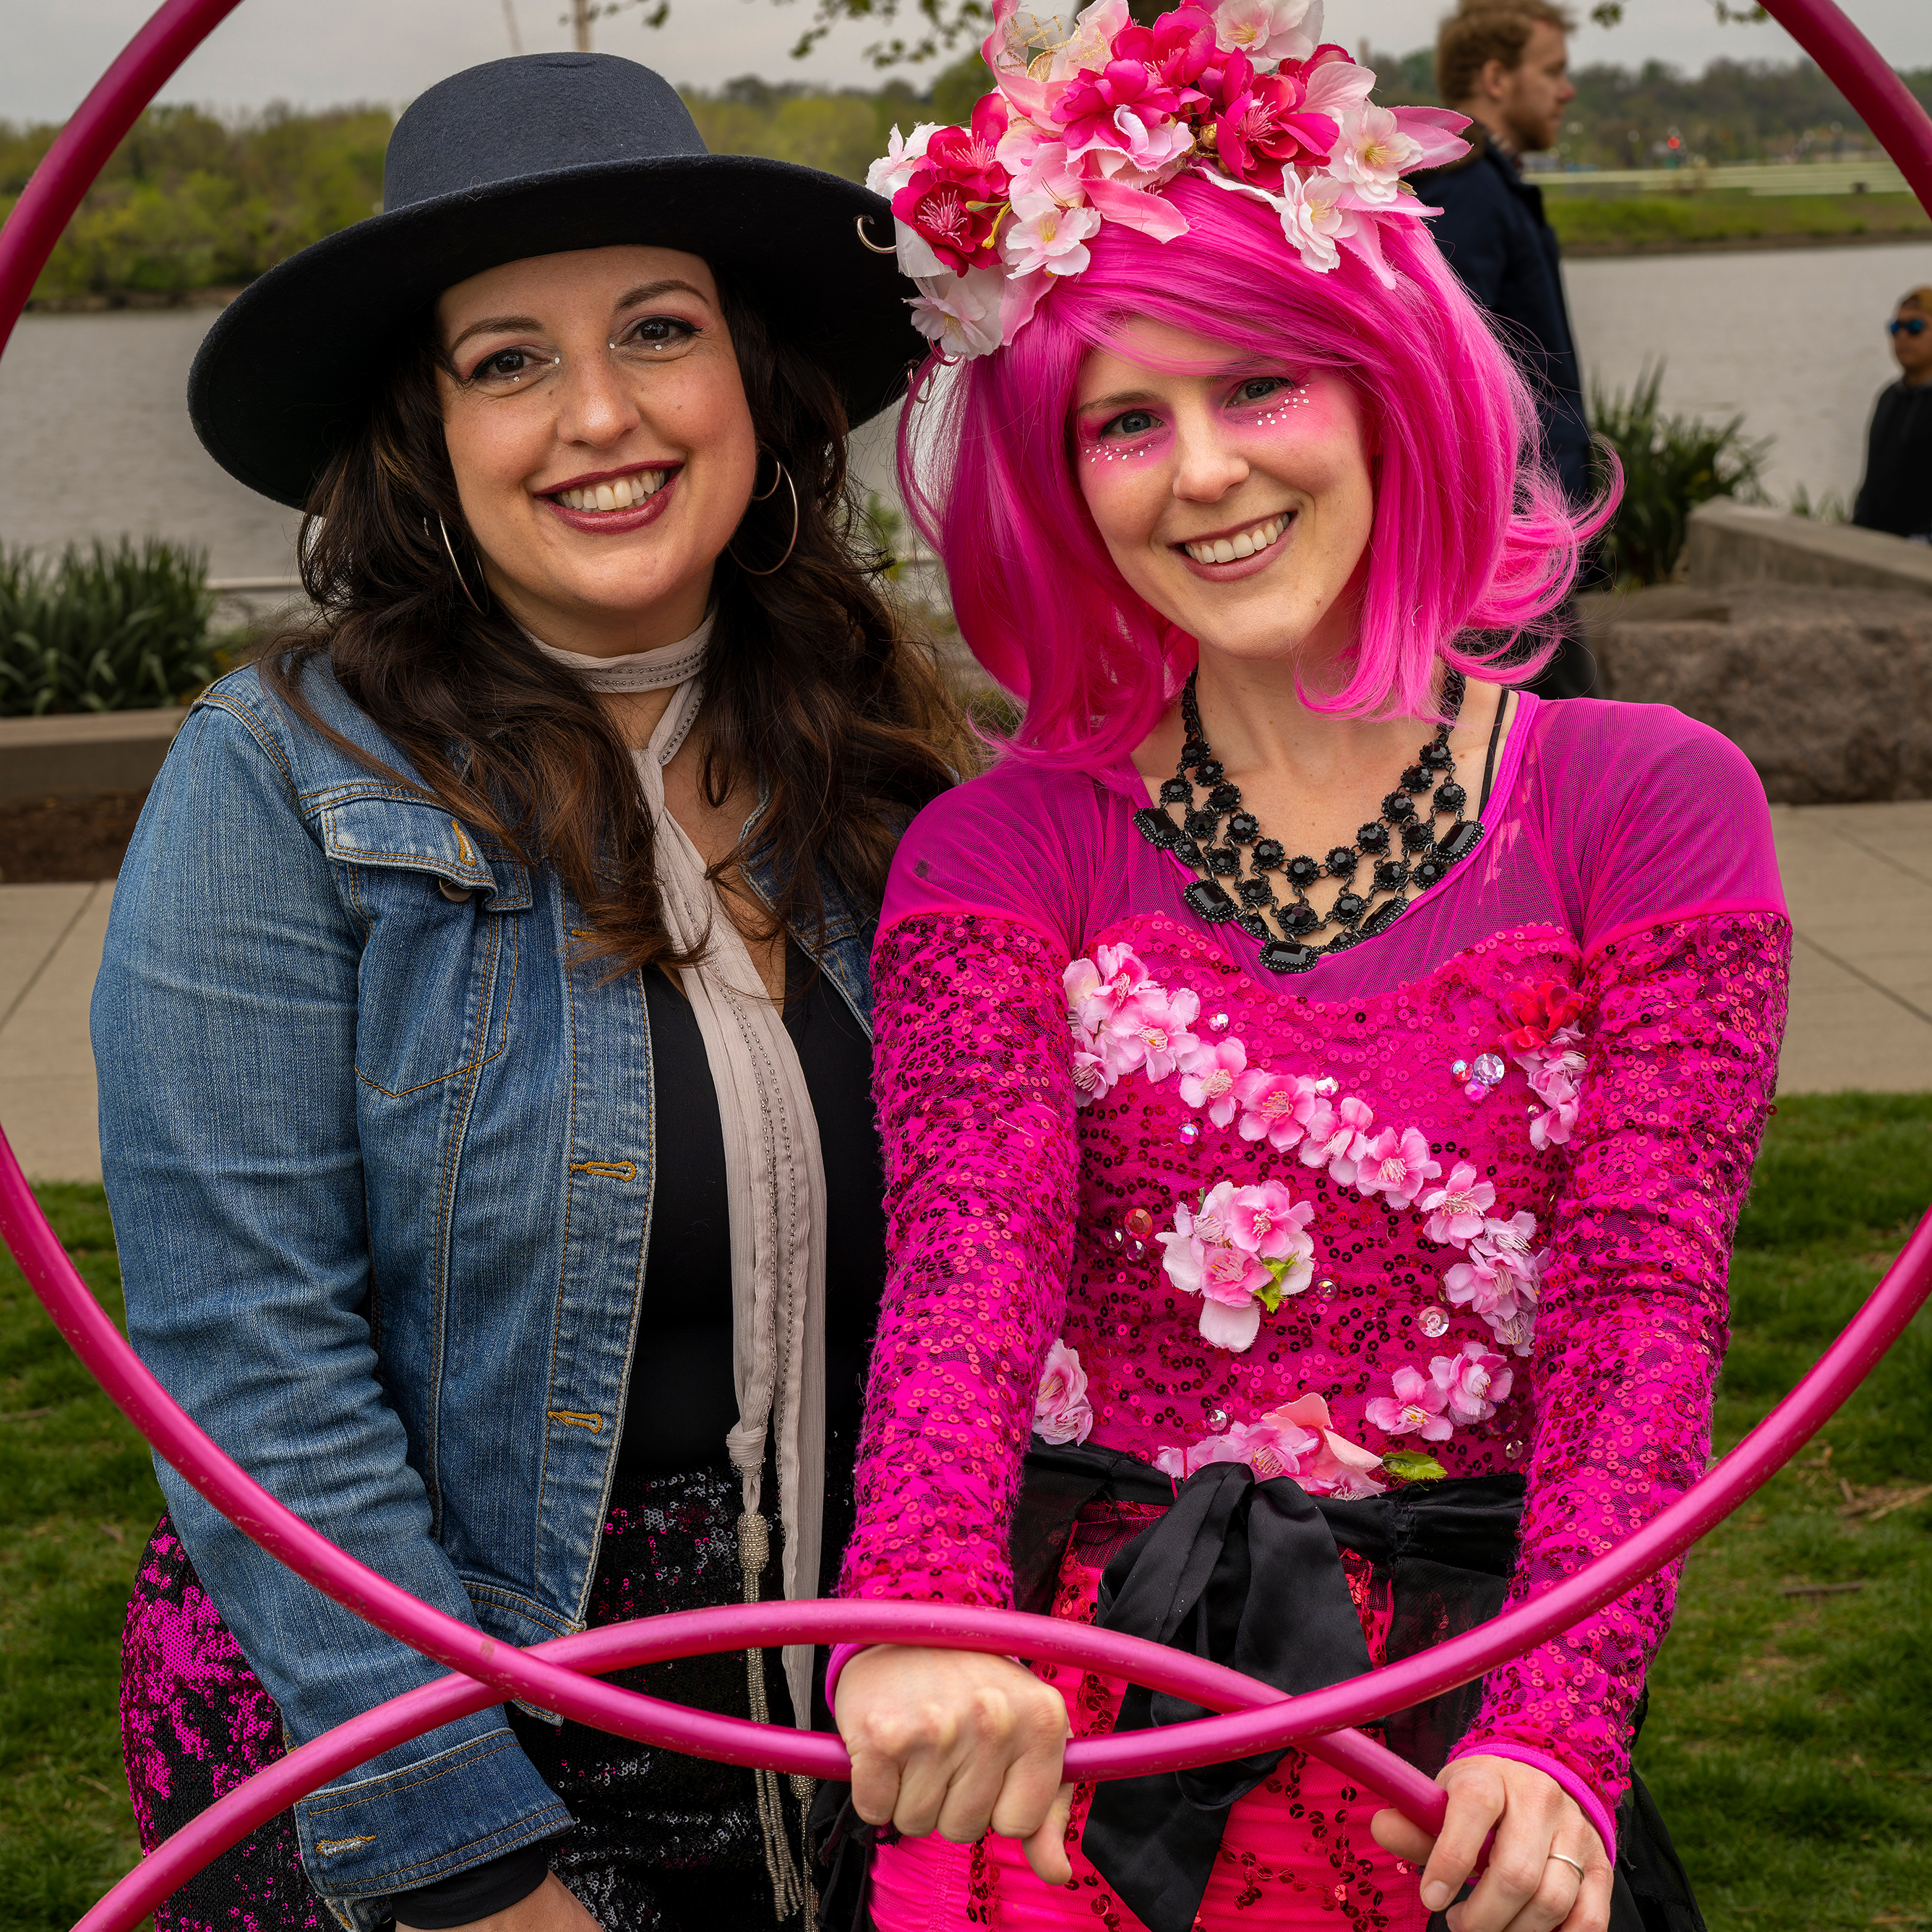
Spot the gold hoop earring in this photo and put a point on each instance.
(789, 548)
(449, 551)
(778, 470)
(866, 241)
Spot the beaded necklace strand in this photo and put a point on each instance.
(1424, 860)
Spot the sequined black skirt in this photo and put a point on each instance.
(662, 1843)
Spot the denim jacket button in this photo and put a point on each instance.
(451, 890)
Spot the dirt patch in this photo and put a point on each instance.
(77, 836)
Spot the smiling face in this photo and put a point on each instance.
(603, 448)
(1236, 502)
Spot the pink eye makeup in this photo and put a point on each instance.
(1254, 402)
(1131, 434)
(1262, 402)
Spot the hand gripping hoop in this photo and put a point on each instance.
(563, 1675)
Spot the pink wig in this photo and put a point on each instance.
(1471, 533)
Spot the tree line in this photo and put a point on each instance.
(1734, 111)
(190, 200)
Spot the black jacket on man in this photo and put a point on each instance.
(1897, 493)
(1492, 231)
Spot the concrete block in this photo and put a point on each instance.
(90, 750)
(1732, 543)
(47, 1093)
(1828, 692)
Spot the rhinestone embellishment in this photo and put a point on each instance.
(1480, 1076)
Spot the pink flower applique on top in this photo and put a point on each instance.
(1456, 1210)
(1294, 1440)
(1501, 1279)
(1241, 1252)
(1396, 1164)
(1415, 1409)
(1336, 1135)
(1061, 1412)
(1275, 1107)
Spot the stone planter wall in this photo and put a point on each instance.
(1828, 692)
(105, 751)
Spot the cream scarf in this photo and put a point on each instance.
(774, 1172)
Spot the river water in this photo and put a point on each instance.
(96, 438)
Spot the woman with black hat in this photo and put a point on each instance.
(483, 1031)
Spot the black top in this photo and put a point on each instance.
(681, 1403)
(1897, 493)
(1493, 231)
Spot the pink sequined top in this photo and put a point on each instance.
(1618, 942)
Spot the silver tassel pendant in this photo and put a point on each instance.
(791, 1892)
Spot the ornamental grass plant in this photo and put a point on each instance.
(119, 628)
(1790, 1740)
(1671, 463)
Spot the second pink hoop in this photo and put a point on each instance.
(551, 1672)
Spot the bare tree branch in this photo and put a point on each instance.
(942, 24)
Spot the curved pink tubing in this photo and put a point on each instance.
(491, 1670)
(549, 1673)
(1858, 71)
(68, 169)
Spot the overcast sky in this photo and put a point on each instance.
(317, 53)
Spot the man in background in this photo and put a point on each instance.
(1505, 64)
(1897, 493)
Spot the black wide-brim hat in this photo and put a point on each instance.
(538, 155)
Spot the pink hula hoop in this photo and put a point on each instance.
(563, 1675)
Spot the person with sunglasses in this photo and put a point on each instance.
(1897, 493)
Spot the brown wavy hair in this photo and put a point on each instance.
(1482, 30)
(815, 690)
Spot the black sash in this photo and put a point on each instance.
(1247, 1573)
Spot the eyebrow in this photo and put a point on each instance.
(506, 325)
(1228, 372)
(1118, 399)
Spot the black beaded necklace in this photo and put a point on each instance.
(1423, 861)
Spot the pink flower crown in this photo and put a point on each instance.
(1094, 128)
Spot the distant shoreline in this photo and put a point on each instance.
(134, 298)
(1738, 245)
(1575, 248)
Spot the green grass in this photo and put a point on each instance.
(1588, 225)
(1790, 1737)
(77, 1499)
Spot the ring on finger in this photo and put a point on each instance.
(1581, 1873)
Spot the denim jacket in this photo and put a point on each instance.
(379, 1155)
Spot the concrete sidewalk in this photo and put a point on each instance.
(50, 942)
(1859, 879)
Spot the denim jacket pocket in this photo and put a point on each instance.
(440, 940)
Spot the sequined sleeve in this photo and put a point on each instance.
(1684, 1021)
(976, 1115)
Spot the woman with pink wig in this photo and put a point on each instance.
(1317, 1079)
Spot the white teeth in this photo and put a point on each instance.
(1247, 543)
(621, 493)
